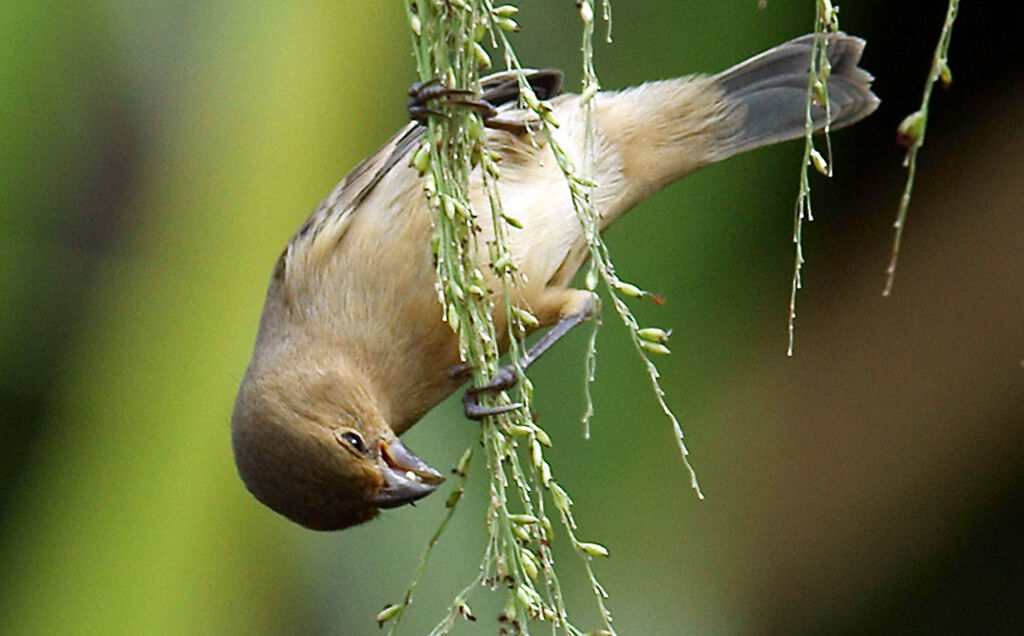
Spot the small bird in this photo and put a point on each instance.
(352, 349)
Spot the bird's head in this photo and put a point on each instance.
(312, 444)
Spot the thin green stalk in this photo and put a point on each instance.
(395, 613)
(912, 131)
(826, 20)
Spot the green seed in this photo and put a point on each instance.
(545, 473)
(593, 549)
(819, 163)
(388, 613)
(523, 519)
(653, 334)
(945, 74)
(453, 499)
(912, 126)
(503, 261)
(589, 92)
(514, 222)
(561, 498)
(507, 24)
(463, 463)
(542, 437)
(519, 431)
(586, 12)
(820, 92)
(421, 159)
(654, 347)
(530, 564)
(531, 99)
(628, 289)
(453, 318)
(527, 318)
(521, 533)
(827, 10)
(524, 597)
(536, 455)
(505, 11)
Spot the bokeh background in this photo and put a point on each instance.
(155, 157)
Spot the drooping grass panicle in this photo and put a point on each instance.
(447, 39)
(911, 133)
(826, 20)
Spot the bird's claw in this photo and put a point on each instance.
(427, 98)
(476, 411)
(422, 94)
(504, 379)
(460, 372)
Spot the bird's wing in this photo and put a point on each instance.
(325, 227)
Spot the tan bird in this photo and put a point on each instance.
(352, 349)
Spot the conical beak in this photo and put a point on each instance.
(406, 476)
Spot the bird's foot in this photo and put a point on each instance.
(504, 379)
(426, 98)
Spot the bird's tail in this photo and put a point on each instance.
(660, 131)
(771, 89)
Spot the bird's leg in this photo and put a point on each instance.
(508, 375)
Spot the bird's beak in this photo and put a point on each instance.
(406, 476)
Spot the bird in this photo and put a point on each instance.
(352, 349)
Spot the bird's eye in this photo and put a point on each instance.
(354, 441)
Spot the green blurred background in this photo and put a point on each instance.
(155, 157)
